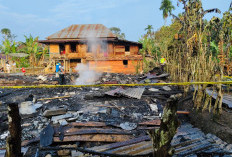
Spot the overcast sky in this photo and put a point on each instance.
(45, 17)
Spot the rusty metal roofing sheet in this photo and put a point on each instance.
(83, 31)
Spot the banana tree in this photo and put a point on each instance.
(193, 24)
(8, 46)
(32, 48)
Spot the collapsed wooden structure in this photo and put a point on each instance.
(94, 45)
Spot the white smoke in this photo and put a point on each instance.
(86, 76)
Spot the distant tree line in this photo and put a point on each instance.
(36, 52)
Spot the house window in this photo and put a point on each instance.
(104, 48)
(127, 48)
(73, 48)
(125, 63)
(89, 48)
(75, 60)
(62, 49)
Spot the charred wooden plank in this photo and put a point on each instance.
(76, 131)
(152, 122)
(131, 149)
(92, 152)
(95, 138)
(120, 144)
(91, 124)
(28, 142)
(182, 112)
(148, 148)
(147, 128)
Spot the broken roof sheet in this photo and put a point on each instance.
(130, 92)
(83, 31)
(188, 141)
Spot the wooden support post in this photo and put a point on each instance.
(162, 137)
(13, 145)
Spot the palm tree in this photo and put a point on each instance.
(149, 29)
(167, 7)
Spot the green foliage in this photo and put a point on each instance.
(9, 46)
(214, 48)
(117, 32)
(31, 48)
(149, 47)
(164, 38)
(227, 25)
(23, 62)
(150, 52)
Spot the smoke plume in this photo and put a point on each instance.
(86, 76)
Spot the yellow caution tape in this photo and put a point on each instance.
(128, 85)
(227, 77)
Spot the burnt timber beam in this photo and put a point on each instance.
(91, 124)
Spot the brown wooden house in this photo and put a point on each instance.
(96, 46)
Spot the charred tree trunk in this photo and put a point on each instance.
(13, 145)
(162, 137)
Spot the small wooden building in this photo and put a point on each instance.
(96, 46)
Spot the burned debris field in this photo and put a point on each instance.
(103, 121)
(107, 79)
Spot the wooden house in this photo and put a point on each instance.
(96, 46)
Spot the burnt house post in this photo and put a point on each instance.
(13, 145)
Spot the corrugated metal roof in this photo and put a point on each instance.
(130, 92)
(83, 31)
(188, 141)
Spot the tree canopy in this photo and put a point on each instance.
(117, 32)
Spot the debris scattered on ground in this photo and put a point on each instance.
(99, 121)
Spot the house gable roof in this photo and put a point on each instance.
(83, 31)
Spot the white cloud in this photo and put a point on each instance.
(72, 8)
(60, 15)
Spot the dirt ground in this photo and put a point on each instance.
(220, 126)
